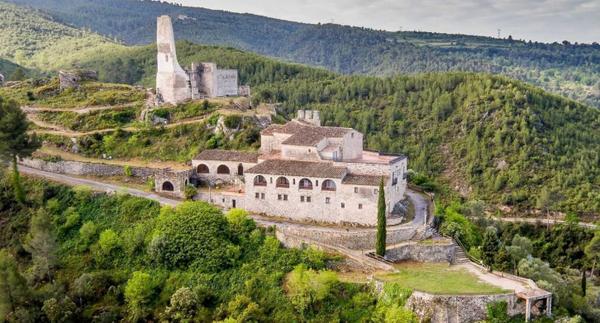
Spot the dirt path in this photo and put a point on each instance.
(81, 110)
(53, 129)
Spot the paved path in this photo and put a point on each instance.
(96, 185)
(421, 204)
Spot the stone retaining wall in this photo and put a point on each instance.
(83, 168)
(422, 252)
(459, 308)
(351, 238)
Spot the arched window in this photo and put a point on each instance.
(202, 169)
(260, 180)
(328, 185)
(240, 169)
(167, 186)
(282, 182)
(305, 184)
(222, 169)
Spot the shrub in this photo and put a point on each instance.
(307, 287)
(72, 218)
(109, 241)
(190, 192)
(127, 171)
(59, 311)
(184, 306)
(232, 121)
(497, 312)
(195, 233)
(87, 232)
(139, 292)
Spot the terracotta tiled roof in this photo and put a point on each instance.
(298, 168)
(228, 155)
(305, 134)
(366, 180)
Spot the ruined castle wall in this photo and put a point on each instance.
(171, 80)
(227, 82)
(459, 308)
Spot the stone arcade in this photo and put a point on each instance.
(202, 80)
(304, 171)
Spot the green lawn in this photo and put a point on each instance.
(439, 279)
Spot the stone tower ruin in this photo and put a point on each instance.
(202, 80)
(172, 82)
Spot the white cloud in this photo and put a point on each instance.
(543, 20)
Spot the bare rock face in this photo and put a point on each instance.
(1, 79)
(72, 79)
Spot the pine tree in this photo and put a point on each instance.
(15, 142)
(491, 245)
(13, 287)
(381, 221)
(41, 243)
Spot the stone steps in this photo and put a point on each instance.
(460, 257)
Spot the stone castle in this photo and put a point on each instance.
(202, 80)
(303, 171)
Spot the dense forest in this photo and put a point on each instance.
(72, 255)
(572, 70)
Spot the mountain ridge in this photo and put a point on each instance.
(567, 69)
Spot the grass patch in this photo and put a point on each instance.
(439, 279)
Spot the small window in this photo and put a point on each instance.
(343, 205)
(302, 198)
(262, 196)
(327, 200)
(279, 197)
(317, 182)
(360, 206)
(352, 135)
(223, 200)
(356, 190)
(271, 180)
(285, 197)
(308, 199)
(257, 195)
(294, 181)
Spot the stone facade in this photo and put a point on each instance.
(202, 80)
(422, 252)
(459, 308)
(172, 182)
(305, 171)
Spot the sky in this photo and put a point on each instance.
(537, 20)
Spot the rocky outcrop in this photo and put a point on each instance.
(72, 79)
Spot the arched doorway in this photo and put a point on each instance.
(240, 169)
(167, 186)
(222, 169)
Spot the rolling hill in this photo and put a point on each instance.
(567, 69)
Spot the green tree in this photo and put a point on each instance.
(307, 287)
(139, 292)
(184, 306)
(381, 221)
(58, 311)
(520, 248)
(41, 243)
(13, 286)
(15, 142)
(490, 246)
(592, 250)
(17, 75)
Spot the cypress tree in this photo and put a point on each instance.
(381, 222)
(583, 282)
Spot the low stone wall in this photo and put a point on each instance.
(351, 238)
(82, 168)
(422, 252)
(459, 308)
